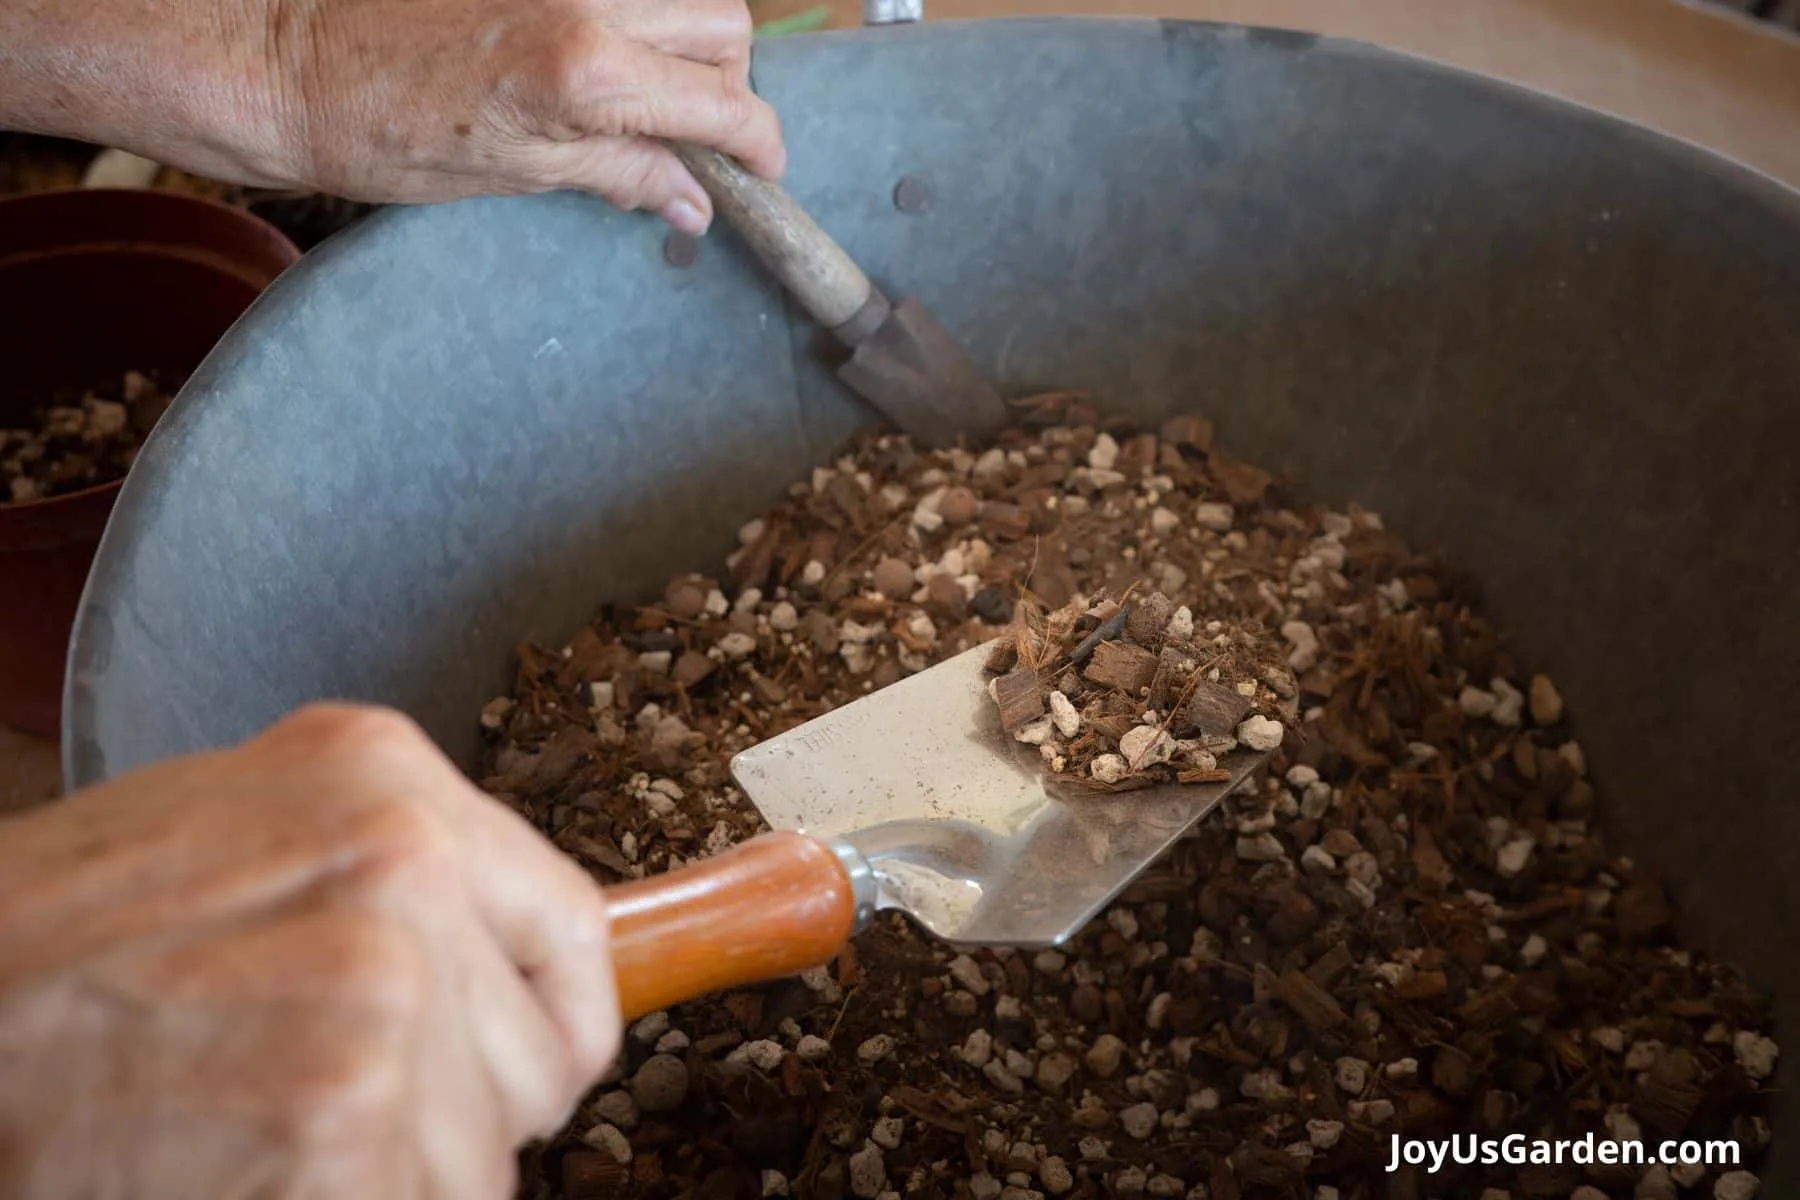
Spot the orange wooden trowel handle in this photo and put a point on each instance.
(773, 906)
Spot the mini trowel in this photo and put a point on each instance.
(911, 799)
(902, 360)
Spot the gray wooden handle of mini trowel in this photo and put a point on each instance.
(826, 281)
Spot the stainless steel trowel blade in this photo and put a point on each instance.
(963, 827)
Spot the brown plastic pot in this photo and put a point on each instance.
(91, 283)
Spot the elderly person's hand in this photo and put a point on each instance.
(400, 100)
(321, 964)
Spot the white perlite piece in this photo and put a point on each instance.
(1093, 1149)
(978, 1048)
(1608, 1038)
(875, 1049)
(737, 645)
(1324, 1134)
(1301, 776)
(1163, 521)
(1260, 734)
(1514, 855)
(1305, 653)
(1108, 768)
(1001, 1077)
(1063, 714)
(762, 1054)
(1123, 921)
(812, 1048)
(1261, 847)
(494, 712)
(1534, 949)
(1054, 1071)
(1476, 703)
(609, 1141)
(1181, 624)
(1157, 1014)
(1104, 453)
(1055, 1175)
(1509, 707)
(1035, 733)
(1017, 1063)
(1140, 1120)
(774, 1184)
(1214, 516)
(1736, 1185)
(887, 1132)
(1755, 1053)
(1318, 856)
(967, 973)
(1264, 1085)
(868, 1172)
(1104, 1057)
(1364, 867)
(1147, 746)
(1352, 1075)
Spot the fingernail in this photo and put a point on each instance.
(684, 216)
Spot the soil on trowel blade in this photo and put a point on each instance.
(1410, 925)
(1120, 694)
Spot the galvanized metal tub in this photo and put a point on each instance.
(1557, 347)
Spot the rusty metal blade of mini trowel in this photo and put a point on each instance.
(921, 377)
(963, 827)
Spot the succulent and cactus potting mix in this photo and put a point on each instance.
(1410, 926)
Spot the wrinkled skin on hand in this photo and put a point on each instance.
(321, 964)
(403, 101)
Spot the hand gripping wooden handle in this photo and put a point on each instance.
(774, 906)
(789, 242)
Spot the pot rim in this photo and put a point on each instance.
(282, 247)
